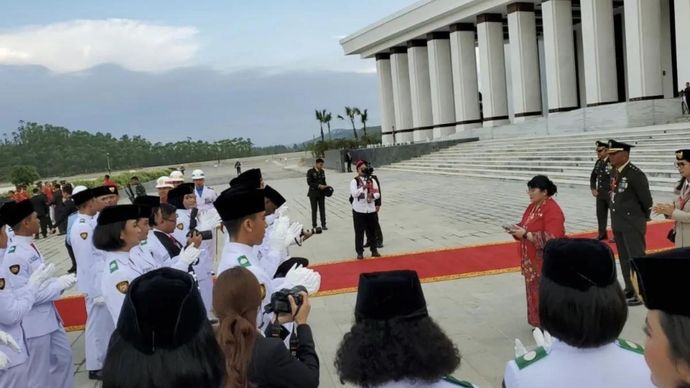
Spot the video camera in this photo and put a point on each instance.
(280, 302)
(205, 235)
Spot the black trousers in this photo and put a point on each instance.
(603, 207)
(45, 224)
(349, 166)
(377, 231)
(321, 202)
(70, 252)
(364, 223)
(630, 244)
(239, 170)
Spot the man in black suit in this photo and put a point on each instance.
(600, 183)
(40, 203)
(316, 179)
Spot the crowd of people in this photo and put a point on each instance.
(156, 318)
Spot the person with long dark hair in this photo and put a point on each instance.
(583, 307)
(679, 210)
(542, 221)
(163, 339)
(662, 282)
(252, 360)
(394, 342)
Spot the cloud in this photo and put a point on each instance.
(81, 44)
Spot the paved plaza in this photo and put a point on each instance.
(482, 315)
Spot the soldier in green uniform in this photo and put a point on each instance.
(631, 203)
(600, 183)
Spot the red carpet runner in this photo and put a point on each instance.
(446, 264)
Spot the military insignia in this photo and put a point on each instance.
(530, 358)
(180, 226)
(460, 383)
(12, 249)
(83, 235)
(679, 155)
(629, 345)
(82, 221)
(2, 283)
(112, 189)
(123, 286)
(113, 266)
(263, 290)
(243, 261)
(14, 269)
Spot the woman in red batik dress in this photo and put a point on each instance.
(543, 220)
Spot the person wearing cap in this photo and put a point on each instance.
(250, 179)
(116, 233)
(543, 220)
(364, 192)
(163, 339)
(600, 184)
(631, 207)
(163, 185)
(106, 194)
(50, 355)
(251, 358)
(403, 345)
(141, 257)
(165, 249)
(204, 194)
(679, 210)
(583, 307)
(176, 178)
(90, 263)
(316, 180)
(377, 225)
(662, 282)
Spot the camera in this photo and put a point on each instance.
(368, 170)
(280, 302)
(205, 235)
(316, 230)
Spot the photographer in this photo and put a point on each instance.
(364, 191)
(250, 358)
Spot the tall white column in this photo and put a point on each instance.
(383, 70)
(642, 36)
(524, 60)
(599, 51)
(492, 68)
(682, 15)
(559, 52)
(420, 90)
(400, 75)
(465, 83)
(441, 77)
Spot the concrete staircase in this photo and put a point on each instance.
(566, 159)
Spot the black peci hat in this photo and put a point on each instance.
(176, 195)
(274, 196)
(579, 263)
(683, 155)
(233, 204)
(662, 278)
(113, 214)
(82, 197)
(162, 310)
(599, 143)
(250, 179)
(390, 295)
(13, 212)
(615, 146)
(148, 200)
(328, 191)
(104, 190)
(2, 220)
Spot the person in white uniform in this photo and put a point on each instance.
(411, 349)
(165, 249)
(205, 196)
(90, 263)
(140, 257)
(50, 355)
(583, 307)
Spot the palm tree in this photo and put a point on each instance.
(351, 112)
(327, 117)
(363, 116)
(319, 116)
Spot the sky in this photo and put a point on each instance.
(174, 69)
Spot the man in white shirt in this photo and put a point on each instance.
(364, 191)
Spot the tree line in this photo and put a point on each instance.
(325, 117)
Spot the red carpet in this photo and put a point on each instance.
(446, 264)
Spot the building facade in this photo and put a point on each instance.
(456, 68)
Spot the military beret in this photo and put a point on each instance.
(661, 279)
(683, 155)
(162, 310)
(13, 212)
(113, 214)
(233, 204)
(390, 295)
(81, 196)
(176, 195)
(104, 190)
(250, 179)
(599, 143)
(579, 263)
(615, 146)
(274, 196)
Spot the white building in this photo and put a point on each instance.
(541, 66)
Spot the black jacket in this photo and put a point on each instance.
(272, 365)
(40, 203)
(600, 179)
(62, 212)
(632, 200)
(314, 179)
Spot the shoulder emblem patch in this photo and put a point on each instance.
(180, 226)
(531, 357)
(14, 269)
(12, 249)
(82, 221)
(113, 266)
(123, 286)
(243, 261)
(83, 235)
(2, 283)
(460, 383)
(630, 346)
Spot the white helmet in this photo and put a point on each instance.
(176, 176)
(163, 182)
(78, 189)
(198, 174)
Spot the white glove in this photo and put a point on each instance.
(66, 281)
(520, 349)
(294, 232)
(190, 254)
(541, 339)
(98, 300)
(7, 339)
(276, 242)
(282, 211)
(41, 274)
(307, 277)
(208, 220)
(4, 360)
